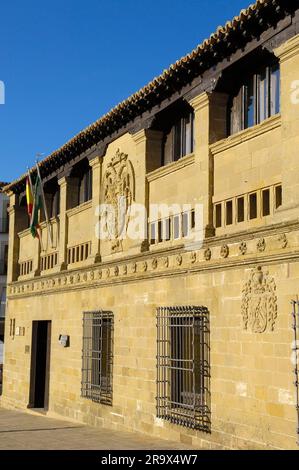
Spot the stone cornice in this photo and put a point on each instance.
(248, 134)
(273, 245)
(170, 168)
(288, 50)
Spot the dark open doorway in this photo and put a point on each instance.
(40, 365)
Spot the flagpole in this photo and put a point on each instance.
(31, 187)
(45, 205)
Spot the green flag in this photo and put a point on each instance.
(37, 206)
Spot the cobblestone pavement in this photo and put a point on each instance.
(24, 431)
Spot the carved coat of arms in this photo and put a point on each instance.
(118, 194)
(259, 302)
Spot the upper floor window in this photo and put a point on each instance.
(55, 203)
(180, 140)
(258, 98)
(85, 186)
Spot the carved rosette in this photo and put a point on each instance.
(243, 248)
(144, 266)
(179, 260)
(154, 263)
(224, 252)
(259, 302)
(261, 245)
(283, 241)
(207, 254)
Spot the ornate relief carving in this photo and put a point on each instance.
(118, 191)
(116, 271)
(261, 245)
(144, 266)
(124, 269)
(179, 260)
(207, 254)
(154, 263)
(259, 302)
(224, 252)
(282, 239)
(243, 248)
(166, 262)
(193, 257)
(134, 267)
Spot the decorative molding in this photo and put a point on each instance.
(259, 302)
(176, 261)
(288, 50)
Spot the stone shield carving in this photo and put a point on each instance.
(118, 194)
(259, 302)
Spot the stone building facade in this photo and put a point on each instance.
(178, 339)
(4, 200)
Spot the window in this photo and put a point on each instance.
(160, 236)
(218, 215)
(167, 229)
(176, 227)
(153, 233)
(257, 99)
(185, 224)
(253, 206)
(183, 366)
(240, 209)
(266, 202)
(85, 186)
(55, 203)
(180, 140)
(278, 196)
(97, 356)
(3, 302)
(229, 212)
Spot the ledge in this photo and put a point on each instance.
(247, 134)
(78, 209)
(171, 168)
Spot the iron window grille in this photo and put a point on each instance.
(97, 356)
(183, 366)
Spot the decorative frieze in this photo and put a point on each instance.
(149, 263)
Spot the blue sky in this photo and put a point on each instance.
(67, 62)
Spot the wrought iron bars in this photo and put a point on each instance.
(97, 356)
(183, 366)
(295, 348)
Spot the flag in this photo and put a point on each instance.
(37, 206)
(29, 196)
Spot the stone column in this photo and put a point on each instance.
(203, 159)
(18, 219)
(96, 165)
(288, 54)
(148, 158)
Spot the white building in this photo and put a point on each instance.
(3, 256)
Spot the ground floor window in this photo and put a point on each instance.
(97, 356)
(183, 366)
